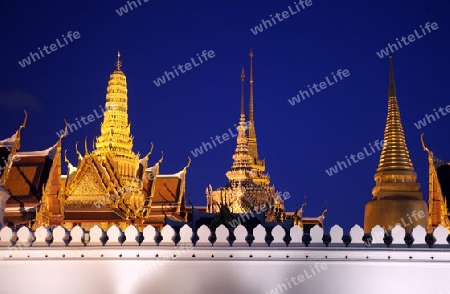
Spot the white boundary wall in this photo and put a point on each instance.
(34, 266)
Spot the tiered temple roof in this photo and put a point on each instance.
(25, 177)
(109, 186)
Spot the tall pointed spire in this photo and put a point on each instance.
(391, 79)
(252, 144)
(258, 165)
(395, 154)
(115, 138)
(115, 129)
(396, 194)
(241, 159)
(242, 194)
(118, 62)
(242, 96)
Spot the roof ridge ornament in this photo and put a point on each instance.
(14, 150)
(162, 157)
(80, 157)
(65, 130)
(151, 150)
(188, 164)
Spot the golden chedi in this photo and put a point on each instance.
(396, 195)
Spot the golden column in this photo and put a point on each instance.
(396, 195)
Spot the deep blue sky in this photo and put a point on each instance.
(298, 142)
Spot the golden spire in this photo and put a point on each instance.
(115, 140)
(242, 95)
(252, 144)
(391, 93)
(115, 130)
(258, 165)
(396, 194)
(395, 154)
(118, 62)
(241, 159)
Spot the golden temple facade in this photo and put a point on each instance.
(111, 185)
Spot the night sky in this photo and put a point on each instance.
(298, 142)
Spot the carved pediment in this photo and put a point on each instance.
(88, 183)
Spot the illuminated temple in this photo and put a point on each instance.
(248, 189)
(112, 185)
(115, 224)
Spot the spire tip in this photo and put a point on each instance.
(118, 62)
(392, 92)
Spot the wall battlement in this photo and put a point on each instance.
(222, 237)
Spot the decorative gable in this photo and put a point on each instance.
(88, 183)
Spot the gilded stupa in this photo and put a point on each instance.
(396, 196)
